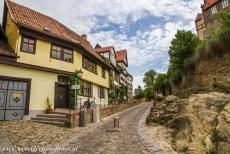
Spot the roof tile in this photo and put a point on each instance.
(121, 55)
(209, 3)
(34, 20)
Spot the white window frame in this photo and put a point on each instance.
(225, 3)
(214, 9)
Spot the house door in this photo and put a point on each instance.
(12, 99)
(61, 96)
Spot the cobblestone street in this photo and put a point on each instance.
(103, 139)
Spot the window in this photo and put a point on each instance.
(214, 9)
(28, 44)
(86, 88)
(89, 65)
(225, 3)
(103, 73)
(61, 53)
(101, 92)
(63, 79)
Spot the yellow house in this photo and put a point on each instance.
(36, 66)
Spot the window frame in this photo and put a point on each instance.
(62, 53)
(82, 88)
(225, 3)
(29, 38)
(214, 9)
(89, 65)
(100, 89)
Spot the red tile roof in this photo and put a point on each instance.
(28, 18)
(208, 3)
(199, 16)
(104, 49)
(121, 55)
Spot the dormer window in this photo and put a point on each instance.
(225, 3)
(214, 9)
(28, 44)
(61, 53)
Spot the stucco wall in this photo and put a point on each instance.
(11, 32)
(42, 84)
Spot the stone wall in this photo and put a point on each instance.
(211, 74)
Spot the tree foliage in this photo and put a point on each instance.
(138, 93)
(182, 47)
(149, 78)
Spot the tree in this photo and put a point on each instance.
(161, 84)
(138, 92)
(182, 47)
(149, 78)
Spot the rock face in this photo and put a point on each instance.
(210, 74)
(201, 123)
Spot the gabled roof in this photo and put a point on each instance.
(208, 3)
(199, 16)
(121, 55)
(103, 49)
(30, 19)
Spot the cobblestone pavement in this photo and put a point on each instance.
(5, 143)
(104, 139)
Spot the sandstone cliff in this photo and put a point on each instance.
(200, 123)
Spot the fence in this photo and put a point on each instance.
(105, 110)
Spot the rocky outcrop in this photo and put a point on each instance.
(201, 123)
(208, 75)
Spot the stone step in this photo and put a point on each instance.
(52, 116)
(50, 122)
(60, 113)
(49, 119)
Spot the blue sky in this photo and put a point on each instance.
(144, 27)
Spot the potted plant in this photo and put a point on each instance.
(49, 109)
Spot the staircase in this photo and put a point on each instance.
(58, 119)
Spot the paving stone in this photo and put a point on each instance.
(124, 141)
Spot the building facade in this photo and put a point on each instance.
(119, 63)
(200, 26)
(36, 58)
(207, 22)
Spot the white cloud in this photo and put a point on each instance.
(138, 81)
(143, 47)
(81, 15)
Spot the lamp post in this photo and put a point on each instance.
(76, 88)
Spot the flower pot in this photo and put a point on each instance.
(50, 110)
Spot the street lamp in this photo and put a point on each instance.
(79, 73)
(76, 88)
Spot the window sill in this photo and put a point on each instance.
(61, 60)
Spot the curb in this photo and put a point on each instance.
(145, 139)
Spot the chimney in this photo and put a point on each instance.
(84, 36)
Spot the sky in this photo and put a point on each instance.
(144, 27)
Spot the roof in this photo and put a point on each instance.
(121, 55)
(208, 3)
(199, 16)
(28, 18)
(103, 49)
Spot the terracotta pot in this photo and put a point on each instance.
(49, 110)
